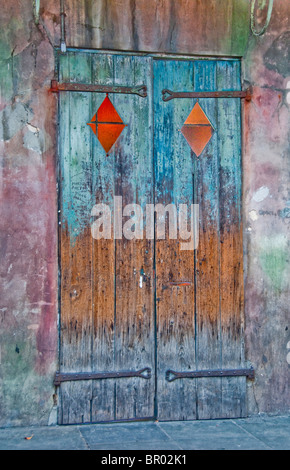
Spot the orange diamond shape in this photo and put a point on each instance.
(107, 125)
(197, 130)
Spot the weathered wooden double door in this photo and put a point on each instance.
(133, 309)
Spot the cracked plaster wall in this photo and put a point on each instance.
(28, 126)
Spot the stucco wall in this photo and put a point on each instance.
(28, 129)
(28, 312)
(267, 213)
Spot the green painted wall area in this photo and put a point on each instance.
(274, 261)
(240, 27)
(274, 264)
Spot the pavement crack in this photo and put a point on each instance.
(167, 435)
(251, 434)
(83, 439)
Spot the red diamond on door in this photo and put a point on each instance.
(107, 125)
(197, 130)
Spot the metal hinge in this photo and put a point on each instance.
(81, 87)
(168, 95)
(72, 377)
(172, 375)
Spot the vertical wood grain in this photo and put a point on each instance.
(174, 304)
(208, 345)
(103, 174)
(231, 253)
(211, 27)
(134, 341)
(76, 244)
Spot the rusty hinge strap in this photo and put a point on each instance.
(168, 95)
(72, 377)
(172, 375)
(81, 87)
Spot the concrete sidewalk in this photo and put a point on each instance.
(257, 433)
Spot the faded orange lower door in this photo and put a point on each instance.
(137, 310)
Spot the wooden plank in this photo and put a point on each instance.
(219, 280)
(231, 256)
(134, 309)
(174, 303)
(76, 298)
(103, 256)
(208, 328)
(211, 27)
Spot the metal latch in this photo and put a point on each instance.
(172, 375)
(72, 377)
(82, 87)
(168, 95)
